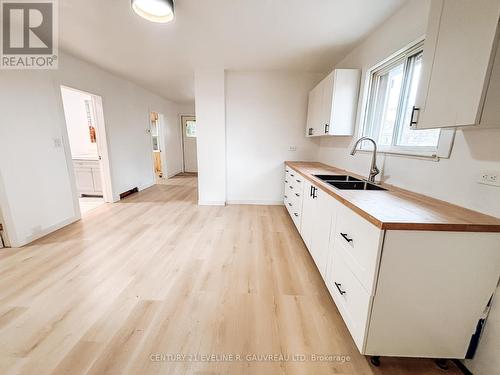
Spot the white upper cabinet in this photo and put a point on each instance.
(456, 86)
(332, 104)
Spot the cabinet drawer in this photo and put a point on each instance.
(351, 298)
(296, 217)
(294, 209)
(359, 241)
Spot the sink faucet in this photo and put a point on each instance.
(373, 168)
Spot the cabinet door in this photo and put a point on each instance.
(96, 177)
(310, 121)
(320, 240)
(323, 124)
(457, 54)
(84, 180)
(343, 101)
(308, 212)
(313, 109)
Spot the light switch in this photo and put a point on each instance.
(57, 142)
(292, 148)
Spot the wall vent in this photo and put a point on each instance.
(129, 192)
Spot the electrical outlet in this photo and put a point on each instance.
(490, 178)
(292, 148)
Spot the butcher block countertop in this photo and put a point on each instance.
(398, 209)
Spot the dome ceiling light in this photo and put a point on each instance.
(161, 11)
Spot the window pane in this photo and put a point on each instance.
(384, 104)
(191, 128)
(407, 136)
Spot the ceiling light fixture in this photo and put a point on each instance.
(161, 11)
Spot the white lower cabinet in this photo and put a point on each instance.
(352, 300)
(293, 196)
(88, 177)
(308, 212)
(317, 214)
(400, 292)
(321, 224)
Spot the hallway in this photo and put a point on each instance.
(137, 282)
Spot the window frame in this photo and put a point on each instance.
(446, 135)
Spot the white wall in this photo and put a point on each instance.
(211, 136)
(265, 115)
(35, 191)
(126, 114)
(75, 115)
(37, 195)
(454, 179)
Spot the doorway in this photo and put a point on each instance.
(86, 138)
(190, 156)
(3, 239)
(158, 143)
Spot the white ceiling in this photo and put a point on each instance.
(292, 35)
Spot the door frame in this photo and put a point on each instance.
(102, 148)
(3, 216)
(182, 140)
(162, 144)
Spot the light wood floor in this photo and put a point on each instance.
(157, 275)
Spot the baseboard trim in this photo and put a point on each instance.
(462, 367)
(170, 175)
(211, 203)
(255, 203)
(45, 232)
(146, 186)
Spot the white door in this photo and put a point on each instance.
(189, 143)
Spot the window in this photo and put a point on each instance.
(191, 129)
(391, 96)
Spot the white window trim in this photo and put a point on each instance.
(446, 136)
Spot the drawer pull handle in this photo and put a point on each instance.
(296, 214)
(286, 181)
(346, 238)
(297, 194)
(286, 196)
(291, 187)
(338, 285)
(292, 175)
(290, 204)
(298, 181)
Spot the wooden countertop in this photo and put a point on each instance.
(399, 209)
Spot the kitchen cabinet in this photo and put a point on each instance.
(321, 224)
(308, 212)
(88, 177)
(317, 213)
(332, 104)
(460, 83)
(293, 196)
(402, 288)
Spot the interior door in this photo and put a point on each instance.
(189, 144)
